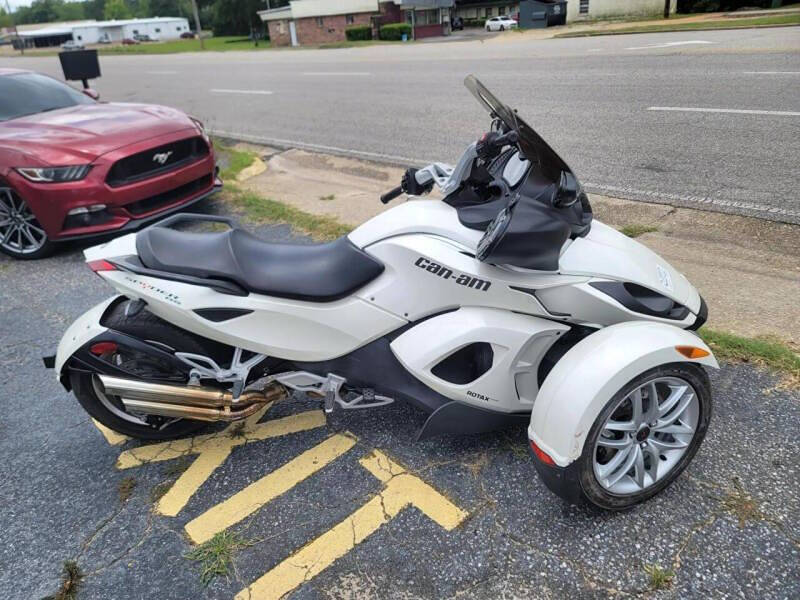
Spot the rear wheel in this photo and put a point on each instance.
(21, 234)
(108, 409)
(502, 28)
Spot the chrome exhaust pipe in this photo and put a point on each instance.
(189, 402)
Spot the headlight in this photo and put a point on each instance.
(54, 174)
(200, 127)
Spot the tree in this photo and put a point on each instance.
(236, 17)
(94, 9)
(70, 11)
(116, 9)
(42, 11)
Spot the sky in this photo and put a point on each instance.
(15, 3)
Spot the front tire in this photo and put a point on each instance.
(21, 234)
(637, 447)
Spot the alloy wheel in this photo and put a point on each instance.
(646, 435)
(20, 232)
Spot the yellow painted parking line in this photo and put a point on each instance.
(191, 479)
(257, 494)
(212, 450)
(401, 489)
(136, 457)
(112, 437)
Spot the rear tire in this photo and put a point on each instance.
(108, 409)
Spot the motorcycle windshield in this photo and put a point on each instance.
(533, 147)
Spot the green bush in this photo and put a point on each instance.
(395, 31)
(474, 22)
(359, 33)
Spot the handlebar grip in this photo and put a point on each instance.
(391, 194)
(512, 137)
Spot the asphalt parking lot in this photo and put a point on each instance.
(351, 507)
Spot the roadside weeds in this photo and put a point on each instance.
(761, 351)
(216, 555)
(70, 582)
(659, 578)
(724, 23)
(635, 230)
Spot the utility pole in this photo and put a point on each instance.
(16, 31)
(196, 23)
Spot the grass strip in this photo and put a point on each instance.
(266, 210)
(237, 160)
(213, 44)
(762, 351)
(730, 23)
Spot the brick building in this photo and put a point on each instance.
(324, 21)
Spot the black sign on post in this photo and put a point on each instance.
(80, 65)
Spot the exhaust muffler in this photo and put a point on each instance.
(189, 402)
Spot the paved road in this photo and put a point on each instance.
(588, 96)
(729, 527)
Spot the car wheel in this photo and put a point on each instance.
(502, 28)
(21, 234)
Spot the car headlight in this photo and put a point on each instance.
(201, 128)
(54, 174)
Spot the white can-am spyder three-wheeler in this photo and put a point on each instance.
(503, 301)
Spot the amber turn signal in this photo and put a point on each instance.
(692, 352)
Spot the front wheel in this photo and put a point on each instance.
(641, 441)
(21, 235)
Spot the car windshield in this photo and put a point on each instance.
(531, 144)
(30, 93)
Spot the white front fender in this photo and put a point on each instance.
(81, 331)
(596, 368)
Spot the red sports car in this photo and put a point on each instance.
(72, 167)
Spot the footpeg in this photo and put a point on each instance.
(330, 388)
(367, 399)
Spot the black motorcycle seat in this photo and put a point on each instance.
(313, 272)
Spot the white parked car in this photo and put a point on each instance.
(500, 23)
(71, 45)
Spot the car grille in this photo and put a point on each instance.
(170, 197)
(156, 161)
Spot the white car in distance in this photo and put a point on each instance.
(500, 23)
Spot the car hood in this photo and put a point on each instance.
(82, 133)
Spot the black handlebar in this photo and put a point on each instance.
(491, 143)
(392, 194)
(488, 146)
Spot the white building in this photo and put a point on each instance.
(92, 32)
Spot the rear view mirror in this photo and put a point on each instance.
(92, 93)
(568, 190)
